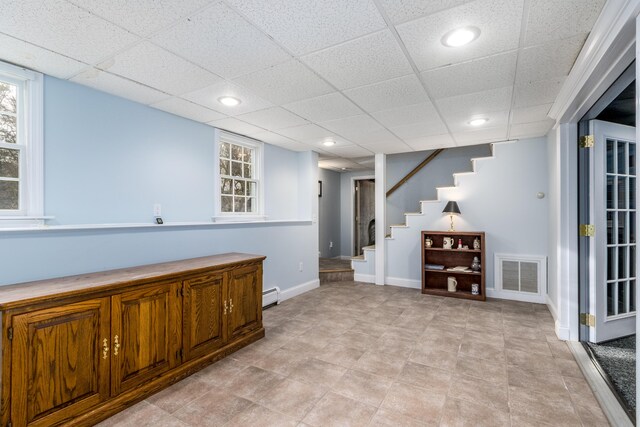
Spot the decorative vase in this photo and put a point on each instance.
(476, 243)
(475, 264)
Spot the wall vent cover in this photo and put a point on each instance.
(524, 274)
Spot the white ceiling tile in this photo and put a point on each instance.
(530, 114)
(531, 130)
(550, 60)
(310, 132)
(354, 126)
(481, 136)
(394, 93)
(325, 107)
(36, 58)
(389, 148)
(236, 126)
(221, 41)
(461, 123)
(151, 65)
(350, 151)
(416, 113)
(209, 95)
(368, 59)
(307, 25)
(498, 21)
(465, 107)
(273, 118)
(406, 10)
(341, 165)
(287, 82)
(273, 138)
(188, 109)
(472, 76)
(430, 142)
(63, 28)
(141, 17)
(537, 93)
(417, 130)
(554, 19)
(119, 86)
(373, 137)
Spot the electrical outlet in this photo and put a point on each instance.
(330, 245)
(157, 210)
(300, 267)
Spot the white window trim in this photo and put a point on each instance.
(220, 216)
(32, 167)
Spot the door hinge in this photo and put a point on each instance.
(587, 230)
(10, 333)
(587, 141)
(588, 319)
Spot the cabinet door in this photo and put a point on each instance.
(204, 327)
(145, 333)
(245, 300)
(60, 363)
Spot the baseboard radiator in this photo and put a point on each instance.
(270, 297)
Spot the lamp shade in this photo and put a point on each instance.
(451, 208)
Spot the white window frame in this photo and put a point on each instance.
(30, 134)
(258, 147)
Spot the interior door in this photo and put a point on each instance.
(244, 306)
(612, 251)
(364, 214)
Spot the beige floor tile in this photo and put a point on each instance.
(531, 346)
(426, 377)
(259, 416)
(293, 398)
(252, 383)
(394, 346)
(281, 361)
(536, 381)
(363, 387)
(489, 370)
(559, 349)
(459, 413)
(542, 406)
(491, 338)
(387, 418)
(414, 402)
(369, 329)
(142, 414)
(175, 397)
(569, 368)
(220, 372)
(480, 391)
(531, 361)
(482, 350)
(318, 373)
(434, 358)
(381, 364)
(213, 409)
(342, 355)
(355, 340)
(336, 410)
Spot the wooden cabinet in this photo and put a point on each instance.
(434, 281)
(76, 350)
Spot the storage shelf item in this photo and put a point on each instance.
(434, 282)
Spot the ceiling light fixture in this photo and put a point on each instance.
(229, 101)
(460, 36)
(478, 122)
(329, 142)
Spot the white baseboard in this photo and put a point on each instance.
(299, 289)
(552, 307)
(405, 283)
(563, 333)
(366, 278)
(515, 296)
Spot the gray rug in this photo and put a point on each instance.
(618, 359)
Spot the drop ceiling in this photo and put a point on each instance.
(372, 75)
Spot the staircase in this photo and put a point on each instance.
(335, 270)
(403, 242)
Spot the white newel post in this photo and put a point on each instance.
(381, 220)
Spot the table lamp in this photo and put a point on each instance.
(451, 209)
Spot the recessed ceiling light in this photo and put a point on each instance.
(343, 169)
(329, 142)
(229, 101)
(460, 36)
(478, 121)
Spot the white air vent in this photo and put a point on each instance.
(271, 297)
(521, 277)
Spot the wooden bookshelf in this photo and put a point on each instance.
(434, 282)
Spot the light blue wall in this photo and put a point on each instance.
(108, 160)
(329, 213)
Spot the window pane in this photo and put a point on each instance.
(622, 262)
(611, 263)
(632, 227)
(227, 203)
(610, 167)
(248, 155)
(236, 152)
(622, 225)
(251, 204)
(611, 306)
(632, 193)
(236, 169)
(238, 204)
(622, 157)
(9, 163)
(632, 159)
(225, 188)
(238, 188)
(251, 189)
(247, 170)
(622, 297)
(610, 228)
(622, 193)
(632, 295)
(224, 150)
(224, 167)
(610, 195)
(9, 195)
(8, 129)
(8, 97)
(632, 261)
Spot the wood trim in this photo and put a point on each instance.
(415, 170)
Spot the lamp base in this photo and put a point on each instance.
(451, 228)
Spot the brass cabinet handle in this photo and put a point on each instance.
(116, 345)
(105, 348)
(230, 305)
(225, 307)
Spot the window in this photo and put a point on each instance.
(239, 176)
(20, 146)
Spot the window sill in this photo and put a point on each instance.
(23, 222)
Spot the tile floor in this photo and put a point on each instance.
(351, 354)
